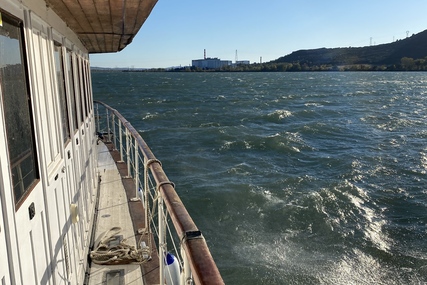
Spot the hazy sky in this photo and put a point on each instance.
(178, 31)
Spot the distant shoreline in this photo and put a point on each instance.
(268, 68)
(408, 54)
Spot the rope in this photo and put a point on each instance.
(165, 183)
(121, 253)
(150, 161)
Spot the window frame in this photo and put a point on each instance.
(62, 91)
(16, 161)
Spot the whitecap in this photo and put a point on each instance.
(226, 145)
(150, 116)
(313, 104)
(280, 114)
(296, 149)
(372, 222)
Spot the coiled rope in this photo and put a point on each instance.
(121, 253)
(107, 253)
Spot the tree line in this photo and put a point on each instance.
(406, 64)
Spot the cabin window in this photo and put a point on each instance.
(71, 94)
(59, 71)
(86, 90)
(88, 83)
(82, 91)
(17, 107)
(77, 90)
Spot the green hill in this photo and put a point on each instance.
(414, 47)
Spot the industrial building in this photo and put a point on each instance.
(210, 63)
(242, 62)
(214, 63)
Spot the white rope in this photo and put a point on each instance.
(121, 253)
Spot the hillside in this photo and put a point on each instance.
(414, 47)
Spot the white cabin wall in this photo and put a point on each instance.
(8, 270)
(69, 234)
(7, 204)
(4, 269)
(72, 165)
(46, 101)
(75, 182)
(46, 106)
(50, 248)
(84, 141)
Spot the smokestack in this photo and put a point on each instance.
(204, 54)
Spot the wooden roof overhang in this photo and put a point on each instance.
(103, 25)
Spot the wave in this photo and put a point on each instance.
(150, 116)
(307, 178)
(340, 225)
(285, 142)
(279, 115)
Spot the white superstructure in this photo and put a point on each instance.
(46, 141)
(49, 167)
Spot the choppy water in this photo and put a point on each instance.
(293, 178)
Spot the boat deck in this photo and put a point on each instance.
(115, 209)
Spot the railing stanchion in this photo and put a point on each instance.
(136, 176)
(146, 189)
(113, 121)
(108, 125)
(121, 141)
(186, 271)
(162, 237)
(98, 118)
(20, 179)
(128, 151)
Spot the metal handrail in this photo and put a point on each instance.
(193, 244)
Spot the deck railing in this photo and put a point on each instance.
(158, 196)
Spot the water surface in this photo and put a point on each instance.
(293, 178)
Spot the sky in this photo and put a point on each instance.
(178, 31)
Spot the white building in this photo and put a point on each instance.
(211, 63)
(242, 62)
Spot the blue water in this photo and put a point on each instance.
(293, 178)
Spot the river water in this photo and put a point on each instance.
(293, 178)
